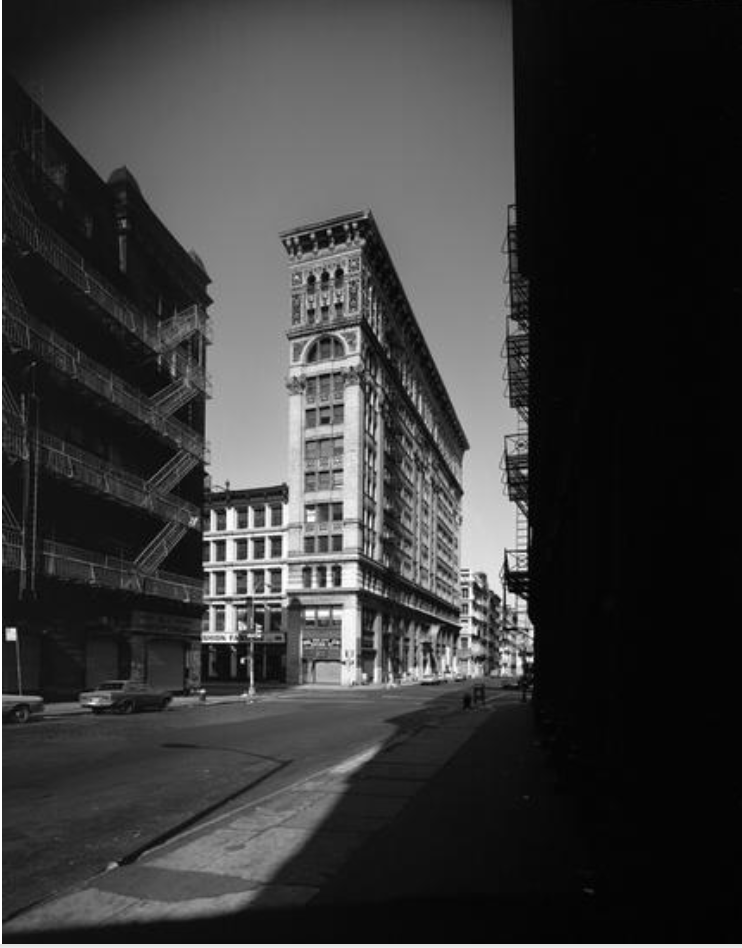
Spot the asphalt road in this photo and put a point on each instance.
(81, 792)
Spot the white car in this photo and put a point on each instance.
(19, 708)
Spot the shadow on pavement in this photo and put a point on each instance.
(456, 833)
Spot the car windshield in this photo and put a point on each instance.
(111, 686)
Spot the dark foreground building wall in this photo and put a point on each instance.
(626, 183)
(104, 393)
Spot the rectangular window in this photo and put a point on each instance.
(258, 581)
(259, 516)
(220, 551)
(242, 522)
(324, 415)
(337, 511)
(322, 543)
(219, 583)
(240, 549)
(276, 548)
(337, 542)
(310, 513)
(221, 519)
(258, 548)
(310, 418)
(240, 582)
(312, 450)
(337, 414)
(219, 614)
(310, 482)
(276, 580)
(276, 515)
(309, 544)
(206, 551)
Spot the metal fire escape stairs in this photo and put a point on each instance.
(515, 459)
(163, 337)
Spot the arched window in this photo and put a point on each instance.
(324, 280)
(339, 278)
(311, 283)
(328, 347)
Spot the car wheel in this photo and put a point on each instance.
(21, 714)
(126, 707)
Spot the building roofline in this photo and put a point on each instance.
(246, 493)
(364, 228)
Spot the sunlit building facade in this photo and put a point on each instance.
(375, 469)
(244, 584)
(478, 652)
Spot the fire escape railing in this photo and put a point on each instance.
(517, 351)
(22, 221)
(24, 331)
(74, 564)
(67, 460)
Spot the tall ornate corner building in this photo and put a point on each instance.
(375, 469)
(105, 333)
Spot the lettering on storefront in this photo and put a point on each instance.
(163, 624)
(321, 648)
(235, 638)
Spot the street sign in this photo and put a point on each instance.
(11, 634)
(253, 636)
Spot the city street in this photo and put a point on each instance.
(81, 792)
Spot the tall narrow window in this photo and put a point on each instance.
(306, 577)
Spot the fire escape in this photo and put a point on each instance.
(515, 573)
(159, 339)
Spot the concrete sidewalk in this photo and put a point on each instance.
(444, 826)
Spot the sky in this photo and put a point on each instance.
(244, 118)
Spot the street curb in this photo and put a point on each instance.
(184, 825)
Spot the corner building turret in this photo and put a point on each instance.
(375, 469)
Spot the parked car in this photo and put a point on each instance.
(124, 697)
(510, 681)
(430, 679)
(18, 708)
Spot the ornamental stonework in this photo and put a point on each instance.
(295, 309)
(353, 296)
(296, 385)
(351, 340)
(296, 351)
(353, 375)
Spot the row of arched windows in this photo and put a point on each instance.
(328, 347)
(324, 280)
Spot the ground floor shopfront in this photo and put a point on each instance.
(225, 658)
(358, 639)
(59, 646)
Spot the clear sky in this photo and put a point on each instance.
(243, 118)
